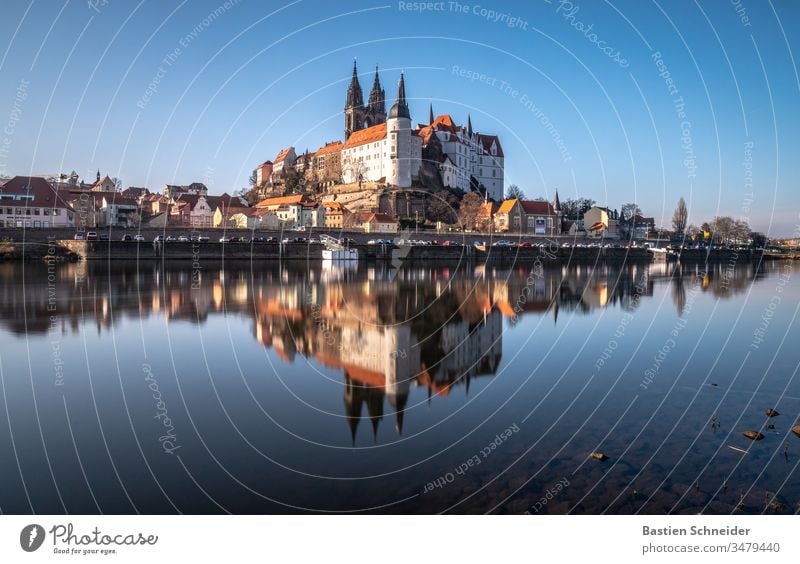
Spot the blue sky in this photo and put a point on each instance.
(585, 110)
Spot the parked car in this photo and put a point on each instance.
(170, 238)
(503, 243)
(259, 240)
(91, 236)
(126, 238)
(183, 239)
(224, 239)
(313, 241)
(79, 237)
(138, 238)
(158, 239)
(104, 236)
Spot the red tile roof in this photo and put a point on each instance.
(283, 200)
(380, 218)
(332, 147)
(282, 155)
(368, 135)
(36, 186)
(537, 207)
(486, 141)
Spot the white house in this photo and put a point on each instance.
(470, 154)
(30, 202)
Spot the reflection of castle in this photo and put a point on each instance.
(431, 328)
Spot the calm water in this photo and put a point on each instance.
(261, 389)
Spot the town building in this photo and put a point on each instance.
(254, 218)
(328, 163)
(283, 163)
(380, 223)
(264, 173)
(601, 222)
(104, 184)
(195, 188)
(530, 217)
(335, 214)
(473, 159)
(295, 211)
(31, 202)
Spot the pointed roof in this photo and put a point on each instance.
(430, 114)
(354, 94)
(400, 108)
(469, 125)
(377, 97)
(556, 202)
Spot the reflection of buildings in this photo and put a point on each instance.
(388, 331)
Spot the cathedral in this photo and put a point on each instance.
(356, 114)
(379, 146)
(384, 147)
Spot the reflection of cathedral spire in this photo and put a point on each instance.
(398, 402)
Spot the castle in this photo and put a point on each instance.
(384, 147)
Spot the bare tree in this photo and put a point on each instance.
(680, 217)
(470, 210)
(514, 192)
(631, 209)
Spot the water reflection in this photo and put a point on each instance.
(385, 329)
(398, 373)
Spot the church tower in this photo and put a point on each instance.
(354, 110)
(376, 110)
(398, 130)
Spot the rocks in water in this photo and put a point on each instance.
(772, 413)
(753, 435)
(777, 506)
(599, 456)
(770, 426)
(796, 430)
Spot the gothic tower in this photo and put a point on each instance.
(398, 129)
(354, 110)
(376, 110)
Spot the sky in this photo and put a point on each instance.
(624, 101)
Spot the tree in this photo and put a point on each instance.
(574, 209)
(470, 210)
(253, 178)
(514, 192)
(759, 240)
(117, 184)
(680, 217)
(441, 206)
(630, 209)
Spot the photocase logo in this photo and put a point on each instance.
(31, 537)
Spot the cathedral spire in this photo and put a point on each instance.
(430, 114)
(354, 111)
(376, 111)
(556, 203)
(469, 125)
(400, 108)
